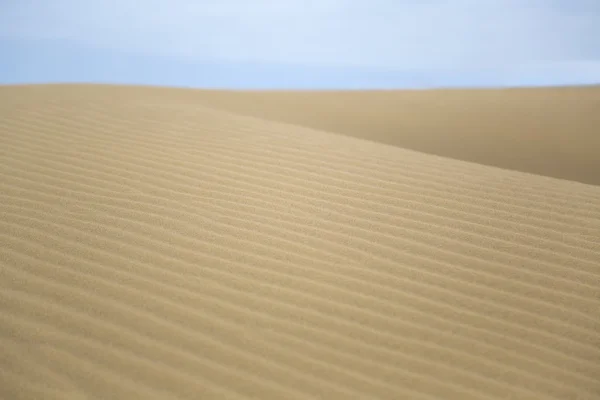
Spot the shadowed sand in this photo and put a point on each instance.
(544, 131)
(178, 244)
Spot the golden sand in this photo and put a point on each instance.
(181, 244)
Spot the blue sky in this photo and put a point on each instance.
(302, 44)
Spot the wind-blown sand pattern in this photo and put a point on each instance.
(155, 244)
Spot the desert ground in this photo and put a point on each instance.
(168, 243)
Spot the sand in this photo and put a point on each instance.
(164, 243)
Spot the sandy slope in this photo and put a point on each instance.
(153, 247)
(547, 131)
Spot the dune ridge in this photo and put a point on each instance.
(545, 131)
(156, 244)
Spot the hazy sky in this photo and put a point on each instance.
(302, 43)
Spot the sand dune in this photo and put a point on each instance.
(180, 244)
(544, 131)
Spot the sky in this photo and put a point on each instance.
(302, 44)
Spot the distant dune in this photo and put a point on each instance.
(161, 243)
(544, 131)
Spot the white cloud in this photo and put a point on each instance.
(377, 33)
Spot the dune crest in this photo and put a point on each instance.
(544, 131)
(155, 244)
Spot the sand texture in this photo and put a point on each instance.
(181, 244)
